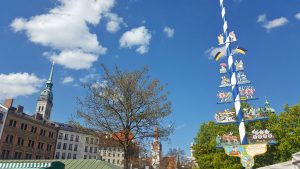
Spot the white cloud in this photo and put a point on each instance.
(297, 16)
(114, 22)
(136, 37)
(66, 28)
(169, 32)
(74, 59)
(18, 84)
(68, 79)
(214, 50)
(270, 24)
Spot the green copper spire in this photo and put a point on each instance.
(49, 82)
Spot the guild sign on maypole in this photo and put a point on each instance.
(236, 88)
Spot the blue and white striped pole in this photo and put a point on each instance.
(233, 80)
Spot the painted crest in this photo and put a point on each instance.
(242, 78)
(247, 91)
(221, 39)
(227, 140)
(232, 36)
(261, 136)
(225, 117)
(223, 68)
(239, 65)
(225, 82)
(224, 96)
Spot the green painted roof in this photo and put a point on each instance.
(56, 164)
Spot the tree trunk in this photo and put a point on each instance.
(126, 156)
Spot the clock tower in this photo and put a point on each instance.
(45, 100)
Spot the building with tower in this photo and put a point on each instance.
(45, 100)
(27, 136)
(156, 150)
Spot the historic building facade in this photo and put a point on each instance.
(28, 136)
(110, 150)
(25, 137)
(75, 144)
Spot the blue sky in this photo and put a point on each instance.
(170, 36)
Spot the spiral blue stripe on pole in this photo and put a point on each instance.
(233, 79)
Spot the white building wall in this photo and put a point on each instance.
(113, 155)
(74, 145)
(3, 115)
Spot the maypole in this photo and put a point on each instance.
(246, 146)
(232, 74)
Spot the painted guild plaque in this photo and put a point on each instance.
(254, 113)
(242, 78)
(247, 91)
(225, 117)
(223, 68)
(227, 140)
(239, 65)
(224, 96)
(261, 136)
(225, 82)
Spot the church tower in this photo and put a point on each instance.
(45, 100)
(156, 150)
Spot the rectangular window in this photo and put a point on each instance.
(77, 138)
(72, 138)
(70, 146)
(92, 141)
(65, 146)
(57, 155)
(58, 145)
(49, 147)
(38, 157)
(69, 156)
(91, 149)
(18, 155)
(86, 149)
(40, 145)
(74, 156)
(28, 156)
(5, 154)
(75, 147)
(9, 139)
(60, 135)
(11, 123)
(87, 140)
(66, 136)
(84, 157)
(63, 155)
(95, 149)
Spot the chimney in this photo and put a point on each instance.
(20, 109)
(8, 103)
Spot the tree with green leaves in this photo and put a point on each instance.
(128, 105)
(285, 127)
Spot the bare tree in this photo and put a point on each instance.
(126, 104)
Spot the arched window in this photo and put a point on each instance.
(42, 108)
(39, 108)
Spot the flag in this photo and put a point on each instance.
(241, 50)
(218, 56)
